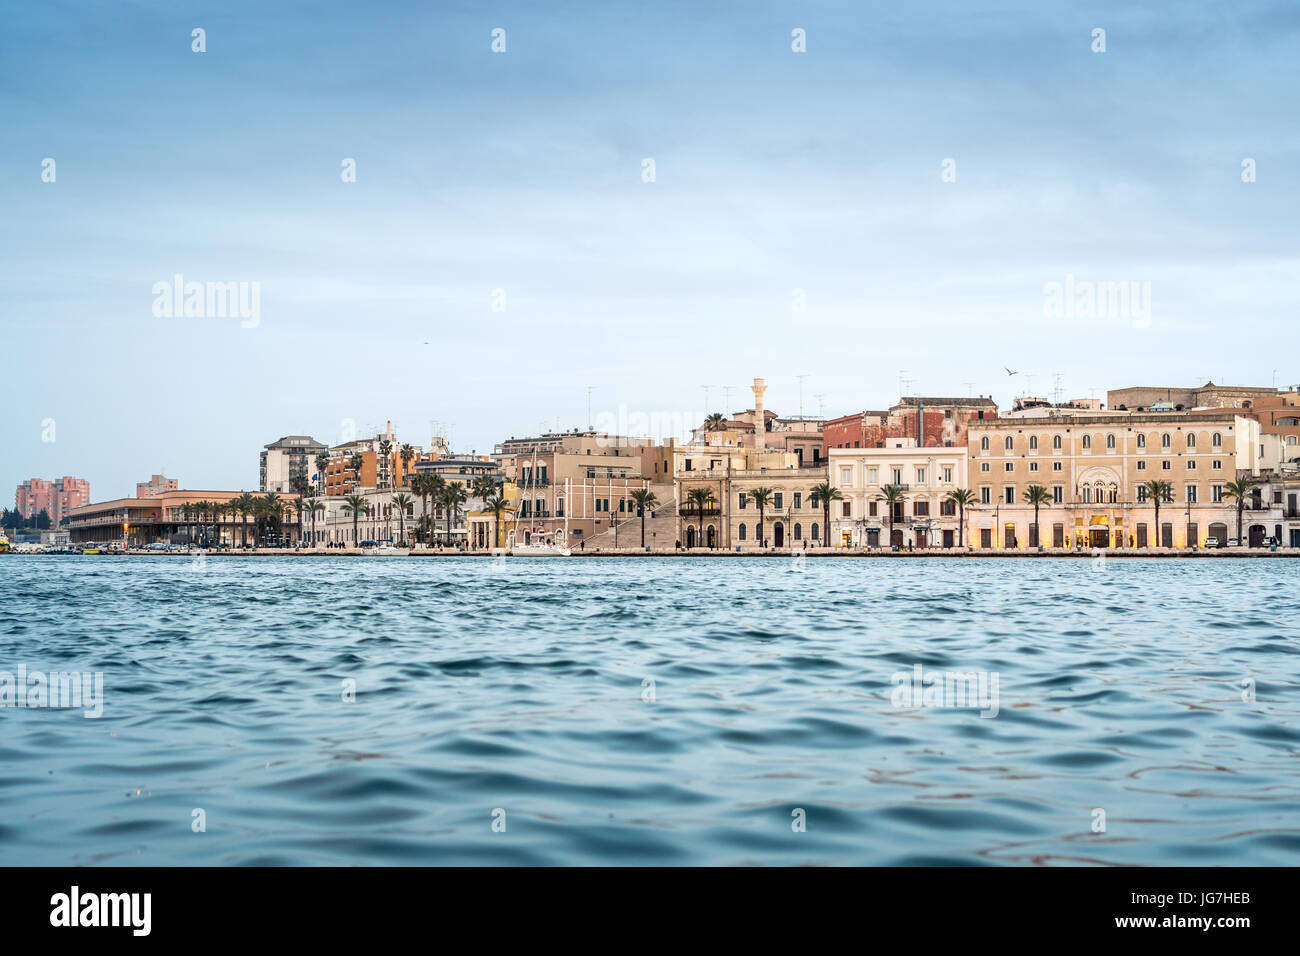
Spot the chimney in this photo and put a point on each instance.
(760, 419)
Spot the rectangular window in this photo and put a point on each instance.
(986, 496)
(846, 476)
(1033, 466)
(1191, 464)
(1056, 466)
(872, 509)
(1009, 495)
(1164, 466)
(1009, 466)
(1058, 494)
(1142, 466)
(947, 475)
(920, 476)
(898, 476)
(777, 500)
(1216, 464)
(873, 476)
(1216, 493)
(984, 466)
(847, 509)
(743, 502)
(798, 499)
(1191, 494)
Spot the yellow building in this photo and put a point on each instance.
(1095, 469)
(485, 530)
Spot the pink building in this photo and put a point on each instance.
(155, 486)
(56, 498)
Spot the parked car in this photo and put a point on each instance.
(1211, 542)
(1233, 542)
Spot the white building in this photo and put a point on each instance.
(922, 519)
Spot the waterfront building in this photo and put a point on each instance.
(485, 529)
(56, 498)
(719, 461)
(293, 456)
(583, 481)
(378, 470)
(155, 486)
(921, 517)
(1095, 469)
(170, 518)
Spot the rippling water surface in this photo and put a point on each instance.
(521, 689)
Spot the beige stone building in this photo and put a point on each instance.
(1095, 468)
(731, 464)
(924, 518)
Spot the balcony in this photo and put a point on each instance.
(703, 512)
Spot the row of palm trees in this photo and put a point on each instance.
(961, 498)
(268, 513)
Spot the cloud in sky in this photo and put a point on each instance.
(521, 171)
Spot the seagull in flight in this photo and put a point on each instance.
(1009, 372)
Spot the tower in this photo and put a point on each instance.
(760, 417)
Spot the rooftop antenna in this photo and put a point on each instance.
(590, 426)
(1056, 388)
(903, 383)
(969, 387)
(707, 389)
(1029, 383)
(821, 406)
(805, 375)
(726, 399)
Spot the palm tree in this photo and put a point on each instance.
(406, 454)
(316, 507)
(715, 422)
(243, 506)
(1159, 491)
(498, 505)
(272, 514)
(891, 495)
(1037, 496)
(826, 493)
(356, 461)
(484, 487)
(434, 485)
(700, 498)
(761, 498)
(386, 452)
(354, 505)
(403, 501)
(963, 498)
(451, 498)
(645, 500)
(1239, 491)
(322, 462)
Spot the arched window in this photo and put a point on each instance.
(1056, 442)
(1087, 441)
(1114, 493)
(1191, 440)
(814, 531)
(798, 532)
(1142, 441)
(1087, 494)
(1217, 440)
(1010, 444)
(743, 533)
(1110, 442)
(1033, 442)
(1164, 440)
(984, 443)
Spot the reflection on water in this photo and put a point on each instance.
(661, 711)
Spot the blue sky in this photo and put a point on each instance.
(521, 171)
